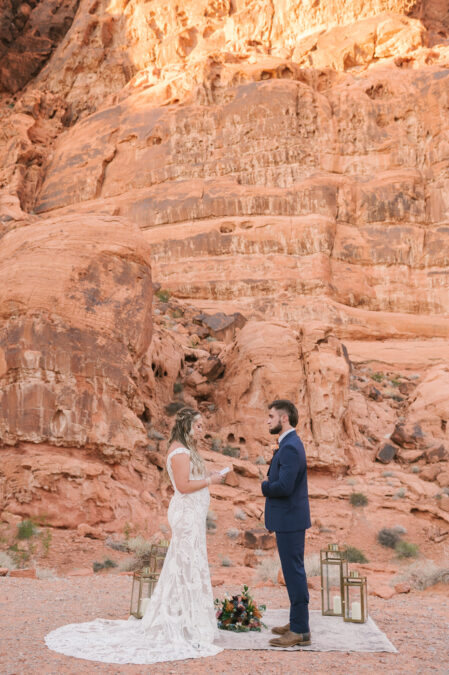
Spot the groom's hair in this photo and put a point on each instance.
(286, 406)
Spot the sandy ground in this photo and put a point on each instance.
(416, 623)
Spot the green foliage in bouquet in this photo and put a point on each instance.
(239, 613)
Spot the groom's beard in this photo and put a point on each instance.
(276, 430)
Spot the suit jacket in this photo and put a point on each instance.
(287, 498)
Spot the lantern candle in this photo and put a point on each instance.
(337, 604)
(143, 605)
(356, 611)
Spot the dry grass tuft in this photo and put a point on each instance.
(422, 574)
(7, 561)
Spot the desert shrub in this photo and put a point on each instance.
(378, 377)
(226, 562)
(406, 549)
(117, 545)
(416, 469)
(26, 529)
(260, 460)
(233, 533)
(388, 537)
(7, 561)
(312, 565)
(106, 564)
(355, 555)
(231, 451)
(423, 573)
(400, 529)
(240, 514)
(269, 568)
(211, 521)
(216, 444)
(20, 556)
(358, 499)
(46, 537)
(177, 388)
(400, 494)
(141, 548)
(163, 295)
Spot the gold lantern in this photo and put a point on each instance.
(355, 598)
(145, 580)
(334, 567)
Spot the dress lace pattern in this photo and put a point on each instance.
(179, 622)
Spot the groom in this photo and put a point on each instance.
(287, 513)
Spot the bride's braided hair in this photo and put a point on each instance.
(182, 432)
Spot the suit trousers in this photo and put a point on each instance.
(291, 552)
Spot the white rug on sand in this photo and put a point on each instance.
(329, 634)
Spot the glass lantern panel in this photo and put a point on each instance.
(135, 595)
(333, 571)
(356, 608)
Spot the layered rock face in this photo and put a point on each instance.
(75, 307)
(286, 164)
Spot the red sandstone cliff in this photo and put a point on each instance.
(287, 165)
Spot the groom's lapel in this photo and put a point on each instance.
(271, 460)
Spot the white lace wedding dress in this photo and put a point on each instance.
(179, 622)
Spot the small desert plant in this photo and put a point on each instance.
(400, 529)
(378, 377)
(260, 460)
(312, 565)
(226, 562)
(117, 545)
(424, 573)
(211, 519)
(358, 499)
(141, 548)
(19, 555)
(106, 564)
(416, 469)
(240, 514)
(355, 555)
(400, 494)
(269, 568)
(233, 533)
(406, 549)
(231, 451)
(163, 295)
(26, 529)
(46, 537)
(388, 537)
(216, 444)
(177, 388)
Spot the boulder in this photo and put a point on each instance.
(387, 453)
(23, 573)
(258, 539)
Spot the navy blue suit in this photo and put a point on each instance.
(287, 513)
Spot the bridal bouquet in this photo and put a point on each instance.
(239, 613)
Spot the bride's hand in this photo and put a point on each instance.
(216, 478)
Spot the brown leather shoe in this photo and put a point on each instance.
(291, 639)
(280, 630)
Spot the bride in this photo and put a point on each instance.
(179, 621)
